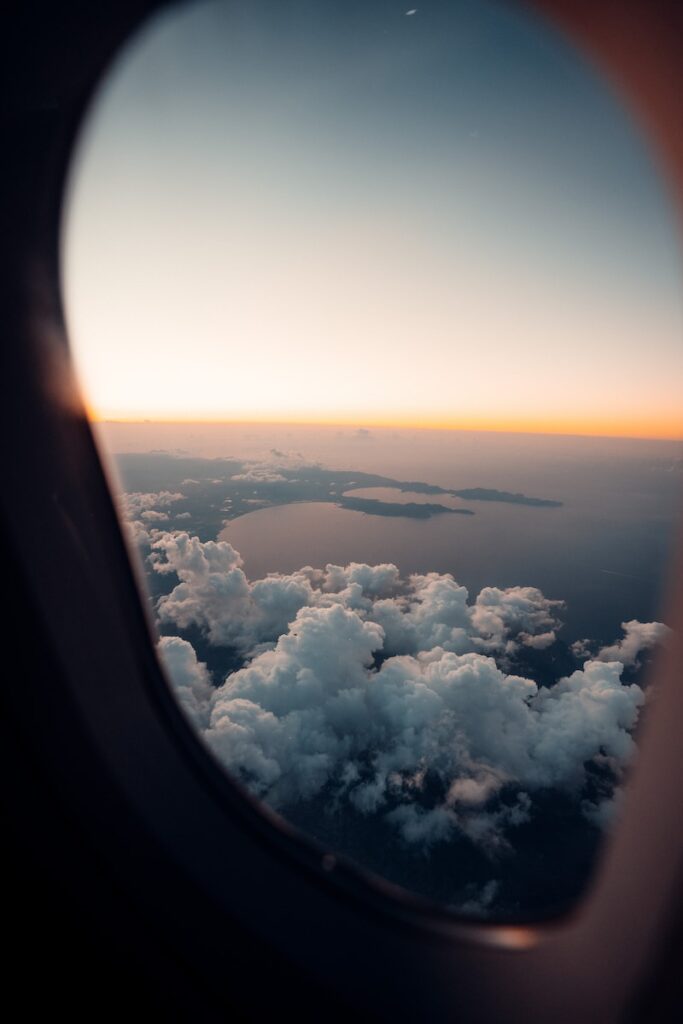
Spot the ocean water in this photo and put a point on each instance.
(605, 552)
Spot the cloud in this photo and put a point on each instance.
(137, 532)
(582, 649)
(638, 637)
(523, 612)
(416, 614)
(270, 469)
(190, 678)
(134, 503)
(140, 510)
(260, 474)
(396, 696)
(605, 812)
(435, 742)
(480, 900)
(215, 595)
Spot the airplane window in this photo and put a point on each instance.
(377, 313)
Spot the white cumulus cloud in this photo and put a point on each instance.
(259, 474)
(189, 677)
(134, 503)
(395, 696)
(638, 637)
(416, 614)
(140, 510)
(430, 740)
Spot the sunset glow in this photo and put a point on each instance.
(662, 428)
(270, 236)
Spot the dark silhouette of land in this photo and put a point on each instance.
(218, 490)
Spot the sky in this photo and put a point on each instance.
(366, 213)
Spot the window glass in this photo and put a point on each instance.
(377, 312)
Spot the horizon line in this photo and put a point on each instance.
(560, 430)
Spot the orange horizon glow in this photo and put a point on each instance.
(297, 258)
(662, 429)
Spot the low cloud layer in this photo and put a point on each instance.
(259, 474)
(397, 697)
(638, 638)
(432, 740)
(139, 503)
(140, 510)
(415, 615)
(191, 679)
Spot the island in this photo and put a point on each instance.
(209, 492)
(410, 509)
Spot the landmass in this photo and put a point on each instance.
(481, 494)
(489, 494)
(411, 509)
(211, 492)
